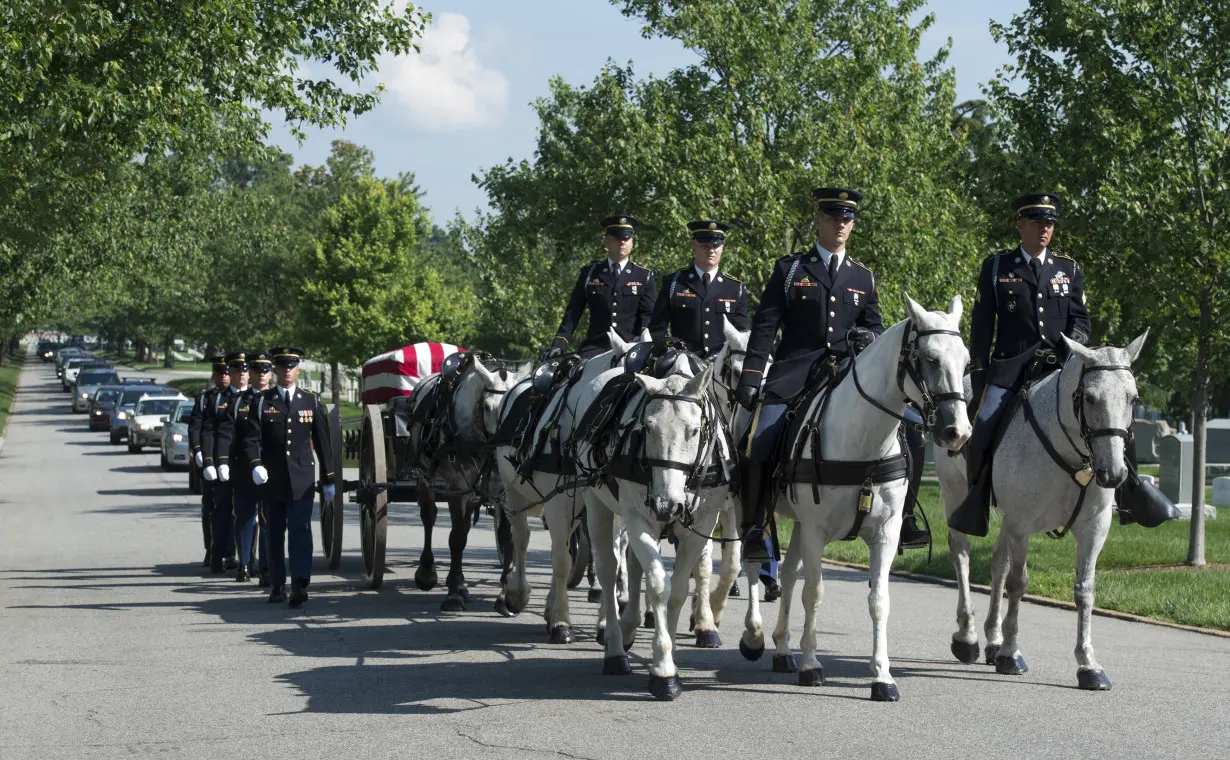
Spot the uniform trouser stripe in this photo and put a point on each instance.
(246, 499)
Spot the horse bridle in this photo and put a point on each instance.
(708, 438)
(908, 366)
(1078, 411)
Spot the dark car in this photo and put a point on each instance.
(47, 350)
(117, 424)
(102, 404)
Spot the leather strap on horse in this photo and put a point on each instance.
(1082, 475)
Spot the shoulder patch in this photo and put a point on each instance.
(860, 264)
(732, 279)
(1062, 256)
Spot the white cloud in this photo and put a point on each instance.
(445, 88)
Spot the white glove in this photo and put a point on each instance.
(328, 491)
(200, 459)
(260, 476)
(210, 473)
(224, 472)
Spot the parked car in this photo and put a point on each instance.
(147, 418)
(102, 405)
(88, 383)
(117, 426)
(175, 453)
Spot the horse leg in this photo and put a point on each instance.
(694, 552)
(729, 570)
(883, 688)
(630, 607)
(965, 640)
(811, 672)
(601, 526)
(751, 643)
(458, 536)
(560, 520)
(783, 660)
(991, 627)
(1089, 541)
(425, 577)
(1009, 661)
(664, 683)
(514, 587)
(623, 582)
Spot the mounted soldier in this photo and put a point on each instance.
(695, 298)
(617, 292)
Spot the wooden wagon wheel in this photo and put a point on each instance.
(331, 511)
(373, 506)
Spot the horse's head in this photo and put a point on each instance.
(939, 357)
(479, 393)
(1102, 401)
(678, 424)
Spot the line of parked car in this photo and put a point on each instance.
(134, 410)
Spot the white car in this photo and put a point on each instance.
(175, 437)
(147, 418)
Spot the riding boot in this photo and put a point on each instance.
(1141, 502)
(755, 486)
(912, 535)
(973, 516)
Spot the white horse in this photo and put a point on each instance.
(471, 419)
(1084, 413)
(920, 360)
(675, 477)
(555, 496)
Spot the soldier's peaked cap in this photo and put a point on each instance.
(287, 356)
(708, 229)
(621, 226)
(1037, 206)
(837, 201)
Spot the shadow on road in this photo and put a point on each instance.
(154, 492)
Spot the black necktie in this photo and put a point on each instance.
(833, 262)
(704, 279)
(1036, 265)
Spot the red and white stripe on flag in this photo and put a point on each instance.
(396, 373)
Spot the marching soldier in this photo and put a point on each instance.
(262, 380)
(218, 381)
(1027, 298)
(615, 291)
(216, 455)
(244, 493)
(280, 435)
(695, 298)
(816, 298)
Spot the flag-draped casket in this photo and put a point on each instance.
(396, 373)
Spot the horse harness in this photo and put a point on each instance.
(1082, 475)
(873, 472)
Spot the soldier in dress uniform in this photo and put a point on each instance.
(244, 493)
(218, 381)
(216, 453)
(694, 299)
(262, 380)
(1027, 298)
(817, 298)
(287, 424)
(616, 291)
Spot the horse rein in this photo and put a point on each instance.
(907, 366)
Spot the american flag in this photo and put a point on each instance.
(397, 372)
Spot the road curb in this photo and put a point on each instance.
(1041, 600)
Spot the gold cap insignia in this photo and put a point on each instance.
(843, 196)
(623, 220)
(713, 225)
(1046, 199)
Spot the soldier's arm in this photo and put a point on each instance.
(869, 317)
(660, 321)
(646, 305)
(209, 432)
(1079, 326)
(224, 432)
(194, 425)
(324, 446)
(982, 324)
(738, 315)
(764, 326)
(252, 431)
(572, 314)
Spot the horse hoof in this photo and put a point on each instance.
(708, 640)
(464, 593)
(966, 653)
(594, 596)
(514, 608)
(749, 654)
(811, 677)
(628, 641)
(1093, 680)
(665, 689)
(561, 634)
(616, 666)
(600, 635)
(649, 620)
(1010, 666)
(991, 652)
(884, 692)
(453, 603)
(502, 608)
(785, 663)
(425, 578)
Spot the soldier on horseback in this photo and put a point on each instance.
(695, 298)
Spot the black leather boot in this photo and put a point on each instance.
(754, 486)
(912, 535)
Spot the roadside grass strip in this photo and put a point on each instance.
(9, 374)
(1140, 570)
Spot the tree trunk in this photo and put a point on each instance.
(138, 350)
(335, 375)
(168, 361)
(1200, 406)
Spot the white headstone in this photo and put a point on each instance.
(1175, 456)
(1221, 492)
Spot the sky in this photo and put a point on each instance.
(464, 103)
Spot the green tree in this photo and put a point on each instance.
(786, 95)
(370, 287)
(1125, 105)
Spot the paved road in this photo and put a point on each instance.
(113, 643)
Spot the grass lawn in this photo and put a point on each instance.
(1139, 570)
(180, 366)
(8, 386)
